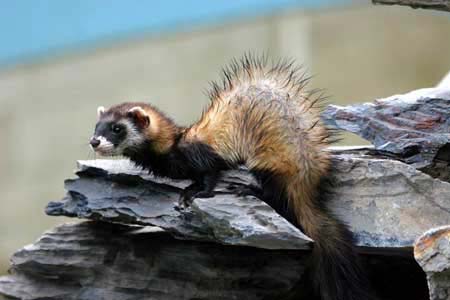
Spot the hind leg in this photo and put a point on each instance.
(274, 194)
(245, 190)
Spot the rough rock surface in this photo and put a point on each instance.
(92, 261)
(104, 261)
(380, 217)
(426, 4)
(415, 126)
(388, 203)
(432, 252)
(115, 191)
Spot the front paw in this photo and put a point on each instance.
(186, 199)
(188, 196)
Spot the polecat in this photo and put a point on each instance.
(263, 117)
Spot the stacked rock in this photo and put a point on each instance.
(134, 243)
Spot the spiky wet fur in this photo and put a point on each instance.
(263, 116)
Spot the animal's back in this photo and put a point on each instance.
(263, 117)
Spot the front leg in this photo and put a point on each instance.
(201, 188)
(189, 192)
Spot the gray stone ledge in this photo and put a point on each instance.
(387, 204)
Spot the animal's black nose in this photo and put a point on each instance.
(94, 142)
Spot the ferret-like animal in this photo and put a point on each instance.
(261, 116)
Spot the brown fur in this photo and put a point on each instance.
(161, 129)
(263, 117)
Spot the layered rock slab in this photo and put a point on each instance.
(387, 204)
(109, 261)
(97, 260)
(115, 191)
(386, 201)
(413, 127)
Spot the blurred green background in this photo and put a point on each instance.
(59, 60)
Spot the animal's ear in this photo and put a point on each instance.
(100, 111)
(140, 116)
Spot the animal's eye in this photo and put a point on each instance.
(116, 129)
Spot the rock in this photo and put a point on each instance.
(140, 245)
(387, 204)
(115, 191)
(97, 260)
(426, 4)
(432, 252)
(414, 127)
(445, 82)
(92, 261)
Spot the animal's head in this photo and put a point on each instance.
(120, 129)
(130, 128)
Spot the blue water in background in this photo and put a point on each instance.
(30, 29)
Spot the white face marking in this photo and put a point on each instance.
(106, 148)
(133, 139)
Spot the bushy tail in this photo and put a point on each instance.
(335, 268)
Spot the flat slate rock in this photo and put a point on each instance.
(93, 261)
(98, 260)
(415, 126)
(115, 191)
(387, 204)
